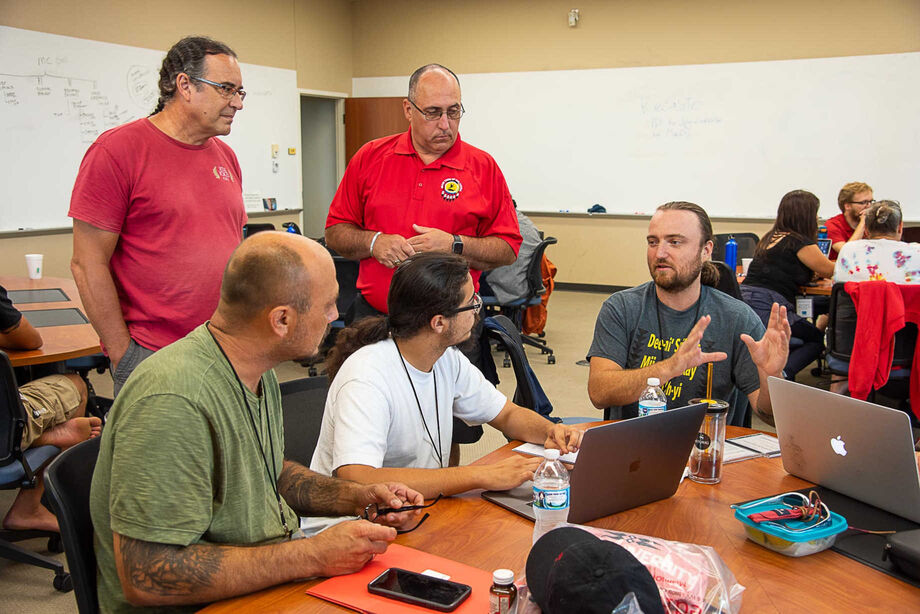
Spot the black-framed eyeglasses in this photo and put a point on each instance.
(455, 112)
(227, 90)
(864, 203)
(372, 512)
(475, 305)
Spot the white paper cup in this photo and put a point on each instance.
(34, 265)
(745, 263)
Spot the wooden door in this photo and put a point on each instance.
(371, 118)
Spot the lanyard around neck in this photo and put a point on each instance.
(437, 413)
(272, 475)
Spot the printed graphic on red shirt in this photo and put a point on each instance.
(451, 188)
(221, 172)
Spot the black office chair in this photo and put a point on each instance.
(747, 243)
(728, 280)
(67, 485)
(510, 339)
(251, 229)
(515, 309)
(840, 337)
(20, 469)
(302, 403)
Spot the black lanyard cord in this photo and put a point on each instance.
(437, 413)
(272, 475)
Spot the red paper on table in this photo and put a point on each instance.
(351, 591)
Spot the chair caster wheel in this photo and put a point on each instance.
(63, 583)
(551, 359)
(55, 544)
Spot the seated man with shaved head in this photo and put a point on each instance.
(192, 500)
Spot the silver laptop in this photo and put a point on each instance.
(621, 466)
(859, 449)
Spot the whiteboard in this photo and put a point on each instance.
(732, 138)
(58, 93)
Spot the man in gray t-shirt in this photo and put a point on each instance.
(657, 329)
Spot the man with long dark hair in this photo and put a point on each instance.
(398, 381)
(158, 208)
(657, 329)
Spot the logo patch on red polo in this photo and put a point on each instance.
(451, 188)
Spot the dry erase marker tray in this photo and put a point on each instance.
(794, 538)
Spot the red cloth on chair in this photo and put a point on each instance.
(882, 309)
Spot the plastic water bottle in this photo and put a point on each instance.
(822, 231)
(652, 400)
(550, 494)
(731, 253)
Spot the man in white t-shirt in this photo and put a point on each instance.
(398, 381)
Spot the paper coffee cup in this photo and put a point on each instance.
(745, 263)
(34, 265)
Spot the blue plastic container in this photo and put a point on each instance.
(786, 540)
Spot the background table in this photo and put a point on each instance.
(60, 342)
(473, 531)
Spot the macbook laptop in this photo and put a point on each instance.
(621, 466)
(859, 449)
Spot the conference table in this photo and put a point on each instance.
(60, 342)
(470, 530)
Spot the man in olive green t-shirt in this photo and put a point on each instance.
(192, 499)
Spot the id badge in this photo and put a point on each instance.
(804, 306)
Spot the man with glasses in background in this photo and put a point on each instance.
(158, 208)
(850, 224)
(398, 380)
(420, 191)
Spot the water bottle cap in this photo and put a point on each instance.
(551, 454)
(653, 381)
(502, 576)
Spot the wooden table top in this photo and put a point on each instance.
(475, 532)
(60, 342)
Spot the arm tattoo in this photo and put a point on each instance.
(310, 493)
(163, 569)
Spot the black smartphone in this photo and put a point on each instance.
(418, 589)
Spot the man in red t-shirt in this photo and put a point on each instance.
(849, 225)
(158, 209)
(423, 190)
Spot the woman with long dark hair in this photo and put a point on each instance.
(786, 258)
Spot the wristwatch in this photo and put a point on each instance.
(458, 245)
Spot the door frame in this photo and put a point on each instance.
(339, 98)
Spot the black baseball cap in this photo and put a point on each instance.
(571, 570)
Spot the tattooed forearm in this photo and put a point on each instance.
(163, 569)
(310, 493)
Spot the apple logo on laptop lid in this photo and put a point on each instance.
(839, 446)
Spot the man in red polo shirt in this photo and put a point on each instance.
(423, 190)
(849, 225)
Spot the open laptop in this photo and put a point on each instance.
(859, 449)
(621, 466)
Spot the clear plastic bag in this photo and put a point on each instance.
(690, 578)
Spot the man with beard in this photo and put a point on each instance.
(192, 500)
(399, 379)
(657, 329)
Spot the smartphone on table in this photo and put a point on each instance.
(419, 589)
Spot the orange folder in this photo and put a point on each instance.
(351, 591)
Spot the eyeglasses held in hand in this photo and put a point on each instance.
(227, 90)
(372, 512)
(454, 112)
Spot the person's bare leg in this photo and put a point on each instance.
(28, 513)
(75, 430)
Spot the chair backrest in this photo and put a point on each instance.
(251, 229)
(302, 403)
(12, 414)
(525, 394)
(67, 485)
(747, 243)
(346, 274)
(841, 330)
(534, 269)
(728, 280)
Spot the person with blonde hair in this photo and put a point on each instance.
(849, 225)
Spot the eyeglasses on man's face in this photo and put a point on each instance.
(226, 90)
(433, 114)
(475, 305)
(864, 203)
